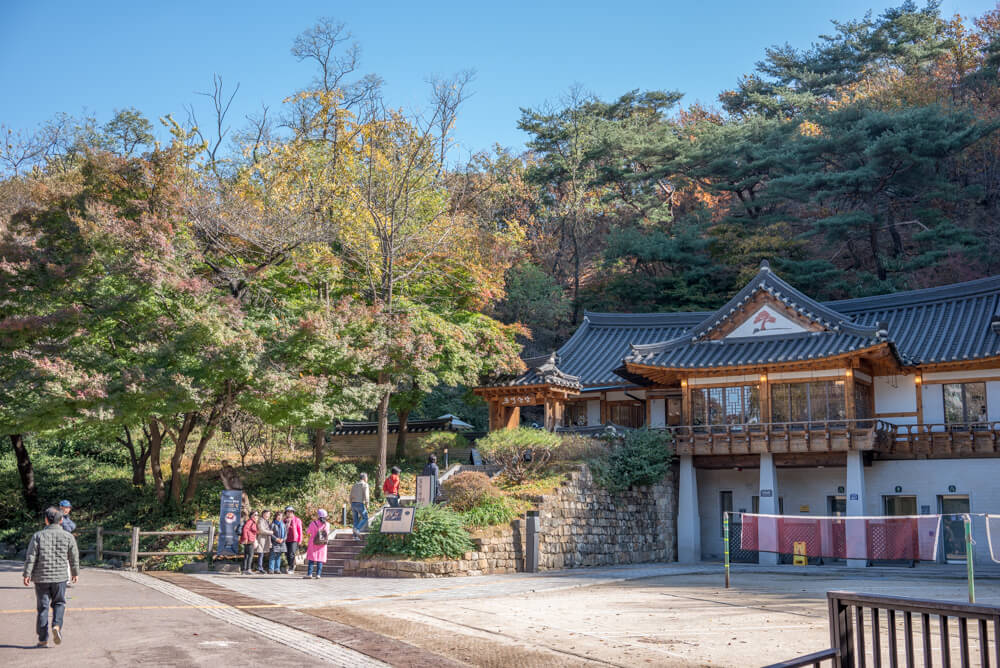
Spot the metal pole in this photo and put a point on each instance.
(725, 539)
(134, 556)
(211, 542)
(343, 514)
(99, 548)
(531, 542)
(968, 559)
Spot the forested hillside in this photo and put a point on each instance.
(864, 164)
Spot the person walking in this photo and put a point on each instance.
(263, 542)
(391, 488)
(431, 469)
(277, 544)
(359, 504)
(319, 536)
(293, 536)
(248, 539)
(67, 524)
(50, 553)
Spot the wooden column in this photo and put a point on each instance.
(849, 394)
(604, 407)
(512, 417)
(496, 415)
(686, 418)
(764, 390)
(918, 384)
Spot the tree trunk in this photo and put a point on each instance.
(206, 435)
(176, 462)
(137, 459)
(319, 440)
(155, 443)
(404, 416)
(876, 255)
(26, 471)
(383, 435)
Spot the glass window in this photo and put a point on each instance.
(804, 402)
(739, 404)
(627, 414)
(862, 401)
(965, 402)
(575, 414)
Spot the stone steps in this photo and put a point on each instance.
(339, 551)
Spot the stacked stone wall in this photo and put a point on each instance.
(581, 524)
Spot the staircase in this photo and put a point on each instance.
(341, 548)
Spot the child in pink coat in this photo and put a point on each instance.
(318, 533)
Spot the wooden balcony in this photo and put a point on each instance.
(942, 441)
(783, 437)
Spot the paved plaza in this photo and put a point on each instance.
(655, 615)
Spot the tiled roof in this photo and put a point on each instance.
(412, 427)
(942, 324)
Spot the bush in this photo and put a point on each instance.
(580, 448)
(466, 489)
(642, 458)
(437, 532)
(521, 452)
(490, 511)
(187, 544)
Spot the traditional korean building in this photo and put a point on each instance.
(781, 404)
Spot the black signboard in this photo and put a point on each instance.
(229, 522)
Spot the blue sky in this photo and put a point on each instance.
(67, 55)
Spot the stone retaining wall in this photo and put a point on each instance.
(581, 525)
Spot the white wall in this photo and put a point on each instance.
(895, 394)
(594, 412)
(657, 412)
(925, 478)
(933, 400)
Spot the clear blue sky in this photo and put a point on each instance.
(98, 55)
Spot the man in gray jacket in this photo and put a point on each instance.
(50, 553)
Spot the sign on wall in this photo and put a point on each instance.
(766, 321)
(229, 522)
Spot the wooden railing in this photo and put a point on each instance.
(941, 440)
(867, 629)
(135, 534)
(782, 437)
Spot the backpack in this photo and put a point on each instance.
(321, 537)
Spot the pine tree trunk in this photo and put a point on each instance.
(155, 445)
(383, 435)
(319, 440)
(25, 471)
(404, 416)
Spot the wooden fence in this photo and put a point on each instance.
(135, 535)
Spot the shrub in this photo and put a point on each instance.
(437, 532)
(175, 562)
(580, 448)
(642, 458)
(490, 511)
(521, 452)
(466, 489)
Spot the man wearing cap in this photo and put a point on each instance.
(293, 536)
(67, 524)
(51, 553)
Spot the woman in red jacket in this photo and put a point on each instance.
(391, 488)
(248, 537)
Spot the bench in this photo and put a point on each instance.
(865, 631)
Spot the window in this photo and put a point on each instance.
(627, 413)
(575, 414)
(965, 402)
(726, 503)
(804, 402)
(725, 405)
(862, 401)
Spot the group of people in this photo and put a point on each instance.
(270, 535)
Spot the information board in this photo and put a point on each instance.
(425, 490)
(229, 522)
(397, 520)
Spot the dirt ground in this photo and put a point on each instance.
(675, 620)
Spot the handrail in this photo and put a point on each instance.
(783, 427)
(807, 660)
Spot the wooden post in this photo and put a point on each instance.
(849, 396)
(133, 559)
(764, 393)
(604, 407)
(99, 547)
(210, 552)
